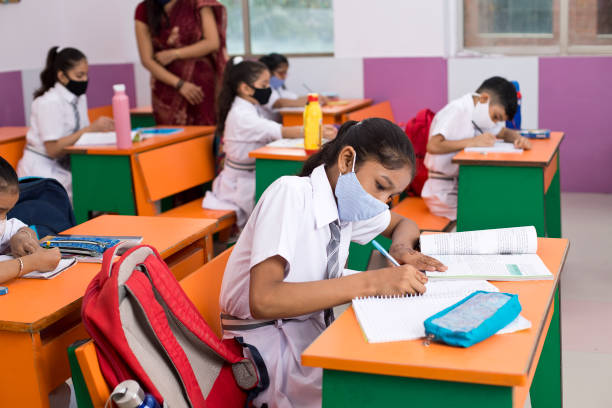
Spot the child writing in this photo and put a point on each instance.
(286, 272)
(16, 238)
(59, 117)
(243, 128)
(473, 120)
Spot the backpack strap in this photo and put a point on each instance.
(264, 379)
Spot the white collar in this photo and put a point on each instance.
(239, 100)
(325, 207)
(65, 93)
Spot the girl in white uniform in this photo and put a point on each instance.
(287, 266)
(58, 117)
(242, 127)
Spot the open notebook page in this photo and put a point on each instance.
(499, 147)
(61, 267)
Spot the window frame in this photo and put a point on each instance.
(246, 37)
(562, 48)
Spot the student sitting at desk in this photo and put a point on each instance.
(241, 128)
(59, 117)
(475, 119)
(15, 237)
(286, 272)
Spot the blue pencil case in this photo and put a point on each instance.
(473, 319)
(535, 133)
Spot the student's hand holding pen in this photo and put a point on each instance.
(483, 140)
(397, 280)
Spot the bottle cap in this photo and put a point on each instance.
(518, 95)
(128, 394)
(313, 97)
(119, 88)
(3, 290)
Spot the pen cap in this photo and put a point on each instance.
(119, 87)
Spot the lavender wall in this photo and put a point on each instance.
(410, 84)
(11, 99)
(101, 80)
(575, 96)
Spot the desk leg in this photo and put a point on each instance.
(345, 389)
(267, 171)
(553, 208)
(547, 386)
(500, 197)
(101, 183)
(22, 381)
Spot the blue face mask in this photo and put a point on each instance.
(276, 82)
(354, 203)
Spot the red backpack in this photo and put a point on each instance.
(146, 329)
(417, 130)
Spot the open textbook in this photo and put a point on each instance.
(399, 318)
(61, 267)
(498, 147)
(495, 254)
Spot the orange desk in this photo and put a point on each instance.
(39, 319)
(130, 181)
(495, 373)
(12, 143)
(332, 114)
(498, 190)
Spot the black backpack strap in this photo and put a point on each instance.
(264, 379)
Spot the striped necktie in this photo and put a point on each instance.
(77, 119)
(333, 271)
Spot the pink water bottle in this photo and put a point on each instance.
(121, 114)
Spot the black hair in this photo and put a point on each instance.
(156, 16)
(234, 74)
(8, 177)
(373, 139)
(502, 92)
(273, 61)
(63, 61)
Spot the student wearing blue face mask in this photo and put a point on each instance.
(475, 119)
(286, 272)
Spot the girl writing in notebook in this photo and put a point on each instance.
(59, 117)
(286, 272)
(242, 127)
(16, 238)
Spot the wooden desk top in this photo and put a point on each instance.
(142, 110)
(33, 304)
(334, 108)
(151, 143)
(501, 360)
(11, 133)
(539, 156)
(279, 153)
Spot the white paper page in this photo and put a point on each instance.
(401, 318)
(519, 240)
(493, 267)
(62, 266)
(99, 139)
(498, 147)
(518, 324)
(298, 143)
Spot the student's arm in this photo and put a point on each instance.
(290, 103)
(44, 260)
(404, 234)
(55, 148)
(297, 132)
(24, 242)
(437, 144)
(272, 298)
(514, 136)
(188, 90)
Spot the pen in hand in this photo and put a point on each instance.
(385, 253)
(477, 127)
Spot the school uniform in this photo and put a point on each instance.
(454, 122)
(277, 93)
(292, 220)
(246, 129)
(11, 227)
(55, 114)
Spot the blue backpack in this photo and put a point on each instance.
(44, 206)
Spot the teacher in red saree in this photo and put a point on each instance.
(182, 44)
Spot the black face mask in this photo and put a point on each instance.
(262, 95)
(76, 87)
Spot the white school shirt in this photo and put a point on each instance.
(277, 93)
(11, 227)
(454, 122)
(290, 220)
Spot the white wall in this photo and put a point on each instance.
(390, 28)
(343, 76)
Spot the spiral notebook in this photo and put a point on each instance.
(384, 319)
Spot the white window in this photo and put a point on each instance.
(291, 27)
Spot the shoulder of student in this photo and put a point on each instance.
(291, 191)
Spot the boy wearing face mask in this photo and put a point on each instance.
(475, 119)
(59, 117)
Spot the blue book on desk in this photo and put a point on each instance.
(159, 131)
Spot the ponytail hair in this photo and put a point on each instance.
(373, 139)
(237, 70)
(64, 60)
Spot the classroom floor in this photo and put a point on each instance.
(586, 303)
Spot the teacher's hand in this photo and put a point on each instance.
(192, 93)
(165, 57)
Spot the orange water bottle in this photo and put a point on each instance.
(313, 118)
